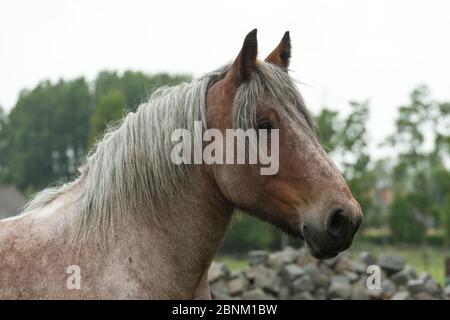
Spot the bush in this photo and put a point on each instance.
(404, 218)
(445, 218)
(248, 233)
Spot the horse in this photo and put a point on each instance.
(134, 225)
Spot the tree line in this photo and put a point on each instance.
(47, 134)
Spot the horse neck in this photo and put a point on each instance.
(189, 234)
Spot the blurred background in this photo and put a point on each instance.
(375, 76)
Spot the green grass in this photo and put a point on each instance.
(233, 263)
(414, 256)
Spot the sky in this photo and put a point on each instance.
(341, 50)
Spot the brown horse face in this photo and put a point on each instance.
(307, 197)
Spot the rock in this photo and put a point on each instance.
(219, 288)
(415, 286)
(433, 288)
(344, 264)
(402, 277)
(360, 267)
(274, 261)
(256, 257)
(401, 295)
(303, 296)
(320, 294)
(447, 291)
(281, 275)
(331, 262)
(237, 285)
(366, 258)
(339, 287)
(423, 296)
(320, 277)
(304, 283)
(256, 294)
(266, 279)
(289, 255)
(217, 271)
(388, 288)
(352, 276)
(360, 291)
(390, 263)
(290, 272)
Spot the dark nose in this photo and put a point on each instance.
(342, 224)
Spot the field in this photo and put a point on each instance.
(430, 260)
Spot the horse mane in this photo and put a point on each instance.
(130, 171)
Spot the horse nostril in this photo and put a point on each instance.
(338, 224)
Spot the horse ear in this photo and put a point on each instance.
(245, 63)
(281, 55)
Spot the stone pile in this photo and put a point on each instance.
(288, 274)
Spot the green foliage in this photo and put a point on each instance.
(445, 218)
(405, 216)
(111, 107)
(135, 86)
(46, 134)
(248, 233)
(328, 129)
(345, 138)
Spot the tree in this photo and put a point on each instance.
(2, 144)
(111, 107)
(405, 217)
(135, 86)
(420, 167)
(345, 138)
(46, 132)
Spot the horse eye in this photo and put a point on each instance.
(265, 126)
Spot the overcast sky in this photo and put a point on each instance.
(342, 50)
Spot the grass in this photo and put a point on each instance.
(413, 255)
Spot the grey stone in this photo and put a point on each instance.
(266, 279)
(352, 276)
(388, 288)
(304, 295)
(344, 264)
(340, 287)
(237, 285)
(256, 294)
(304, 283)
(433, 288)
(390, 263)
(274, 261)
(360, 291)
(424, 296)
(416, 286)
(331, 262)
(291, 272)
(401, 295)
(320, 277)
(447, 291)
(366, 258)
(219, 287)
(360, 267)
(403, 276)
(256, 257)
(289, 255)
(217, 271)
(320, 294)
